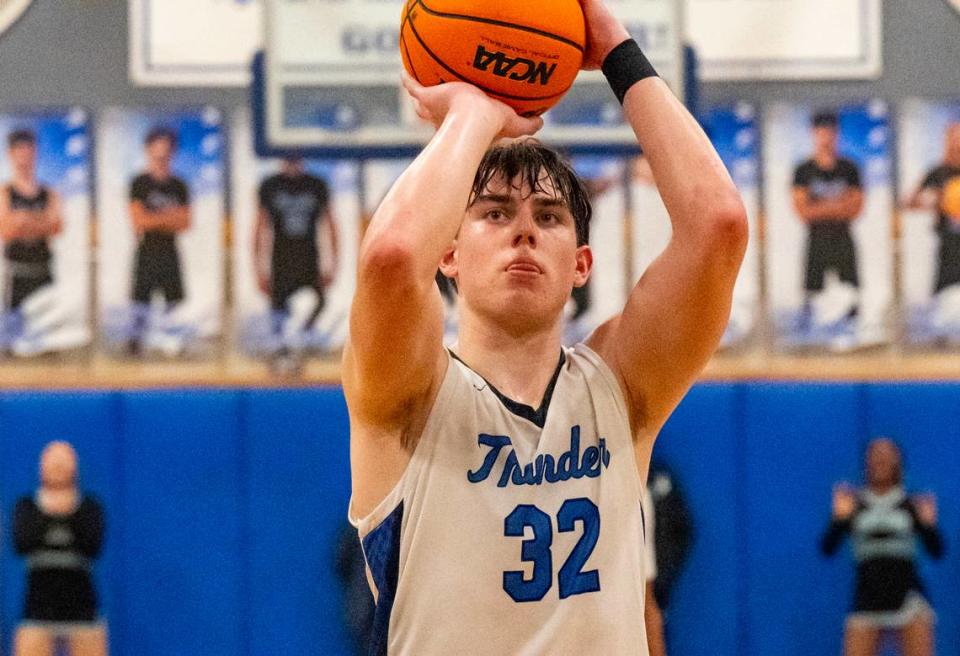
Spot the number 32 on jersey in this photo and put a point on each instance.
(537, 550)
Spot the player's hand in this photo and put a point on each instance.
(604, 33)
(926, 505)
(844, 502)
(433, 104)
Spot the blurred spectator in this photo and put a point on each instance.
(29, 217)
(160, 209)
(60, 532)
(673, 531)
(884, 524)
(828, 197)
(940, 192)
(652, 617)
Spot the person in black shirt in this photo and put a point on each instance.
(29, 216)
(884, 524)
(59, 531)
(930, 195)
(294, 218)
(828, 197)
(160, 209)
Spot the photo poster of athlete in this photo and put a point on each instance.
(605, 177)
(605, 292)
(378, 176)
(829, 241)
(733, 131)
(45, 214)
(161, 215)
(295, 243)
(929, 140)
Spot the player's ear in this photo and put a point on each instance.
(584, 265)
(448, 263)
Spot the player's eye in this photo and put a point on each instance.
(549, 217)
(495, 214)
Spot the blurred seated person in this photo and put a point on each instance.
(884, 524)
(59, 531)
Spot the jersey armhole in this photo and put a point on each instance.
(395, 497)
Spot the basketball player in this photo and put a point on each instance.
(930, 195)
(160, 210)
(497, 486)
(30, 215)
(884, 524)
(828, 197)
(293, 204)
(60, 532)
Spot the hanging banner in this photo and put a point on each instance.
(193, 42)
(787, 39)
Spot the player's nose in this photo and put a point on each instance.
(525, 229)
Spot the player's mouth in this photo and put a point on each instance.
(524, 266)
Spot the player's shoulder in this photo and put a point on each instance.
(141, 179)
(847, 164)
(806, 167)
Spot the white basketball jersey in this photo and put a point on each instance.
(514, 531)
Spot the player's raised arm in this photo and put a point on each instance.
(394, 353)
(675, 316)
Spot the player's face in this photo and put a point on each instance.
(883, 463)
(23, 156)
(516, 257)
(825, 139)
(160, 152)
(58, 465)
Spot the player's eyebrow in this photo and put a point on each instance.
(549, 202)
(498, 199)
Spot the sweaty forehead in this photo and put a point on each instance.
(519, 187)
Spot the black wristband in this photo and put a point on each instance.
(625, 66)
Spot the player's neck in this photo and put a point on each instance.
(825, 160)
(519, 365)
(24, 182)
(159, 173)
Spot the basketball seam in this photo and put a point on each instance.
(483, 88)
(491, 21)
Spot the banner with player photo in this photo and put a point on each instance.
(733, 131)
(161, 213)
(605, 292)
(929, 139)
(829, 203)
(295, 242)
(45, 208)
(378, 176)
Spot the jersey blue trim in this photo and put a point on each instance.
(381, 548)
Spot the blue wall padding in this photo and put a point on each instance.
(798, 441)
(224, 506)
(297, 490)
(698, 444)
(179, 520)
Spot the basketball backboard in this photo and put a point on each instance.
(327, 84)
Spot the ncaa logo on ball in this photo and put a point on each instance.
(10, 11)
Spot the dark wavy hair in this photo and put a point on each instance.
(528, 163)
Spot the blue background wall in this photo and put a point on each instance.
(224, 505)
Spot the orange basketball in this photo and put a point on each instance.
(525, 53)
